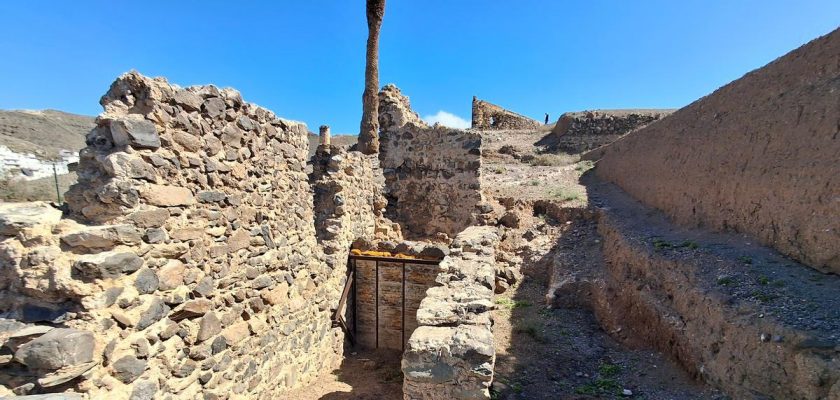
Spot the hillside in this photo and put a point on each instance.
(43, 132)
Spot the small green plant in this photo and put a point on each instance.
(511, 304)
(600, 386)
(566, 195)
(725, 281)
(661, 244)
(609, 370)
(534, 183)
(763, 280)
(553, 160)
(762, 297)
(745, 260)
(516, 387)
(584, 166)
(529, 329)
(689, 244)
(499, 170)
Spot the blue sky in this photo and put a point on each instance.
(305, 59)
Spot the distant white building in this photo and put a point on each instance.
(29, 166)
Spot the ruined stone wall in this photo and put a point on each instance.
(451, 354)
(192, 255)
(431, 173)
(758, 156)
(577, 132)
(349, 201)
(488, 116)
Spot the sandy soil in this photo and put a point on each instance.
(363, 376)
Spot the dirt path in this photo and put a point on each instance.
(362, 376)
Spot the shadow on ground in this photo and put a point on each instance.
(559, 351)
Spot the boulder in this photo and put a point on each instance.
(134, 130)
(191, 309)
(57, 348)
(128, 368)
(146, 281)
(188, 100)
(108, 264)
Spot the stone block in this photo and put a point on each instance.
(134, 130)
(57, 348)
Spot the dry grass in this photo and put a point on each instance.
(554, 160)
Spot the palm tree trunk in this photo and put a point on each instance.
(369, 129)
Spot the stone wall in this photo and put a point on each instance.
(191, 254)
(488, 116)
(577, 132)
(349, 201)
(431, 173)
(451, 354)
(758, 156)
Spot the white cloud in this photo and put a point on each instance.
(447, 119)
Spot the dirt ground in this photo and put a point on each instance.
(513, 165)
(562, 353)
(365, 375)
(547, 352)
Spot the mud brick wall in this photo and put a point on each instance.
(451, 354)
(758, 156)
(577, 132)
(191, 254)
(432, 174)
(488, 116)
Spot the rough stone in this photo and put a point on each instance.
(57, 348)
(168, 196)
(134, 130)
(146, 281)
(108, 265)
(129, 368)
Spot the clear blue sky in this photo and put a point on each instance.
(305, 59)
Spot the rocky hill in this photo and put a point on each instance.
(44, 132)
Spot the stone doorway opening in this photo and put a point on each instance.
(381, 298)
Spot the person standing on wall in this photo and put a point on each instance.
(546, 118)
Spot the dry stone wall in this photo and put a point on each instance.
(432, 174)
(451, 354)
(488, 116)
(577, 132)
(349, 202)
(191, 254)
(758, 156)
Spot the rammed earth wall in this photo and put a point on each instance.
(758, 156)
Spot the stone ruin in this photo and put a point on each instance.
(578, 132)
(488, 116)
(199, 258)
